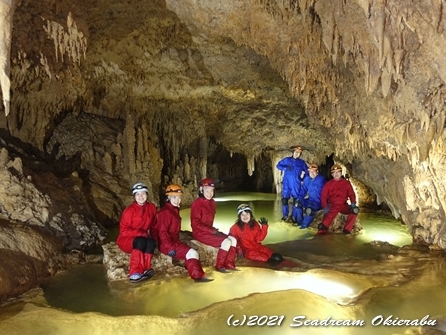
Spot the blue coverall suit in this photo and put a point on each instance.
(291, 182)
(310, 197)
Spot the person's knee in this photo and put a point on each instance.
(139, 243)
(192, 253)
(233, 240)
(285, 201)
(275, 257)
(144, 244)
(226, 244)
(150, 245)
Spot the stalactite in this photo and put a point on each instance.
(7, 9)
(250, 161)
(187, 170)
(386, 81)
(72, 43)
(129, 142)
(203, 145)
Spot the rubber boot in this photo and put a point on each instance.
(322, 229)
(351, 219)
(230, 259)
(136, 262)
(297, 215)
(220, 262)
(285, 208)
(307, 221)
(148, 271)
(194, 268)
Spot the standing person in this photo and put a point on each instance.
(202, 215)
(309, 201)
(133, 238)
(249, 234)
(293, 171)
(168, 229)
(338, 196)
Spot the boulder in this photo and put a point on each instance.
(117, 262)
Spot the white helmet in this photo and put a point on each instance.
(139, 187)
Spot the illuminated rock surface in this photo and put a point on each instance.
(106, 93)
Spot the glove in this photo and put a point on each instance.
(353, 208)
(240, 253)
(263, 221)
(172, 253)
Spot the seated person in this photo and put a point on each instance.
(249, 234)
(338, 196)
(168, 235)
(309, 201)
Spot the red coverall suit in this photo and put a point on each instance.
(168, 227)
(202, 214)
(136, 220)
(249, 241)
(333, 197)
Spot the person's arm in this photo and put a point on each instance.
(351, 193)
(164, 222)
(261, 230)
(324, 196)
(283, 164)
(197, 218)
(125, 224)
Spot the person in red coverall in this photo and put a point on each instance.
(168, 228)
(133, 239)
(338, 196)
(249, 234)
(202, 214)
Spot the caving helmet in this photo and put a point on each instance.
(335, 167)
(243, 208)
(297, 148)
(313, 167)
(174, 190)
(207, 182)
(139, 187)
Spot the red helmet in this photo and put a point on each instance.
(207, 182)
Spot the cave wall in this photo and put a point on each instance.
(150, 90)
(371, 73)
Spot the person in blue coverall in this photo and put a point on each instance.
(309, 201)
(294, 169)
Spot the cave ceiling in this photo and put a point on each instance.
(132, 87)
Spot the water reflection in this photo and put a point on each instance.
(74, 290)
(86, 289)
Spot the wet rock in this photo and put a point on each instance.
(117, 261)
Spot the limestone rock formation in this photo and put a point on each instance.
(117, 262)
(111, 93)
